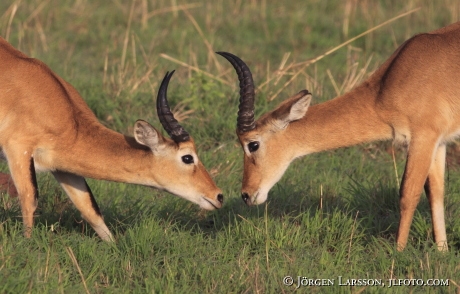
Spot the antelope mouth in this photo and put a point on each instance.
(257, 198)
(210, 202)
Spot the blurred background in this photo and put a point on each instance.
(116, 52)
(333, 213)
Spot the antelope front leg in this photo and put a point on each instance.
(80, 194)
(434, 189)
(22, 169)
(419, 158)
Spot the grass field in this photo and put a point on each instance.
(333, 214)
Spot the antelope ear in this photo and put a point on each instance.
(145, 134)
(292, 109)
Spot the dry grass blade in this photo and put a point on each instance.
(282, 65)
(180, 113)
(349, 7)
(267, 235)
(246, 220)
(392, 269)
(41, 33)
(394, 164)
(14, 8)
(35, 12)
(144, 15)
(5, 260)
(174, 8)
(144, 78)
(287, 83)
(456, 285)
(165, 56)
(45, 277)
(314, 60)
(9, 9)
(353, 77)
(174, 5)
(127, 74)
(280, 72)
(334, 84)
(106, 64)
(75, 262)
(126, 40)
(312, 83)
(351, 237)
(206, 42)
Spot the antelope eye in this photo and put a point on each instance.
(253, 146)
(187, 159)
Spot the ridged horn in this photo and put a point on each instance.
(167, 120)
(245, 121)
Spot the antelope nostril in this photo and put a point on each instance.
(245, 197)
(220, 198)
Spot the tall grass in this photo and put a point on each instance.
(332, 214)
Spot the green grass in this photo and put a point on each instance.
(333, 214)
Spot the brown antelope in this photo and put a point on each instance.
(45, 125)
(412, 98)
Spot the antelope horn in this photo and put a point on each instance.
(167, 120)
(245, 122)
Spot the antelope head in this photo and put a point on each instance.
(180, 171)
(265, 142)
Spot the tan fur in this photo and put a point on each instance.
(44, 123)
(413, 98)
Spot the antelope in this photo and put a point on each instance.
(45, 125)
(412, 98)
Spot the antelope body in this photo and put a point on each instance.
(412, 98)
(45, 125)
